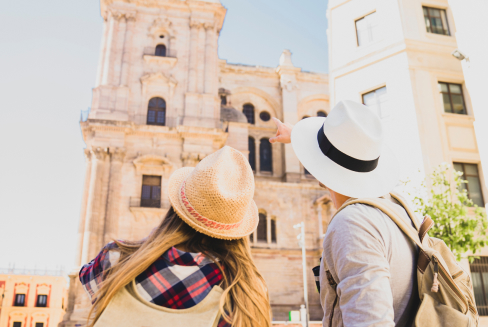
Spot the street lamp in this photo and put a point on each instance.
(301, 243)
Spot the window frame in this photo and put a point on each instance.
(477, 176)
(356, 28)
(161, 46)
(156, 111)
(16, 304)
(253, 117)
(261, 156)
(14, 324)
(374, 90)
(269, 224)
(450, 98)
(45, 302)
(252, 163)
(150, 202)
(480, 266)
(430, 21)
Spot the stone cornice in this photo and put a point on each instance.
(92, 126)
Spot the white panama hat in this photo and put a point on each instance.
(345, 151)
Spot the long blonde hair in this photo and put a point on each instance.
(245, 300)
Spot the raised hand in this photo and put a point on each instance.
(283, 134)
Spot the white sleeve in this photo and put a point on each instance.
(356, 255)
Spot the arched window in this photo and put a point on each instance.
(265, 156)
(321, 113)
(160, 50)
(248, 111)
(273, 230)
(262, 229)
(156, 112)
(252, 153)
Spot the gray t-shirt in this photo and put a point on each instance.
(374, 265)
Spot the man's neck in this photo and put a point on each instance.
(338, 199)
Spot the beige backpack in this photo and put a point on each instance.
(445, 289)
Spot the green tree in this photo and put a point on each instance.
(458, 222)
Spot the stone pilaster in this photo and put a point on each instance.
(192, 66)
(102, 52)
(119, 49)
(105, 181)
(126, 59)
(210, 57)
(93, 207)
(117, 156)
(201, 59)
(81, 226)
(289, 87)
(109, 45)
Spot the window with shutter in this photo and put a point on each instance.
(41, 301)
(156, 112)
(252, 153)
(265, 155)
(151, 191)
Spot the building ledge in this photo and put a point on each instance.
(169, 61)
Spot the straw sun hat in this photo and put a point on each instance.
(216, 197)
(346, 151)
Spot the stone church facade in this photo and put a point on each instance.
(164, 100)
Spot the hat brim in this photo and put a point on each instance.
(248, 225)
(350, 183)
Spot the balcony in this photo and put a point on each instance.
(148, 211)
(169, 59)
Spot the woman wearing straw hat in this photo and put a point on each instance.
(195, 268)
(371, 264)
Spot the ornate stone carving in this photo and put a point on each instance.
(117, 154)
(153, 165)
(158, 78)
(99, 153)
(161, 25)
(191, 159)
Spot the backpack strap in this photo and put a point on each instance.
(388, 208)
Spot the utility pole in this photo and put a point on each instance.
(301, 242)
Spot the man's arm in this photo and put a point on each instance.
(356, 256)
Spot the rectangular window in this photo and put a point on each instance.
(436, 21)
(470, 173)
(367, 29)
(479, 277)
(17, 324)
(151, 191)
(452, 98)
(376, 100)
(39, 324)
(19, 300)
(41, 301)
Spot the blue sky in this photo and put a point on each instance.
(48, 60)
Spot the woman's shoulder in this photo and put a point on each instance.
(92, 274)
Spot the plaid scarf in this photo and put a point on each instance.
(176, 280)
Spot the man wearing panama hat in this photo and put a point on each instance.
(368, 267)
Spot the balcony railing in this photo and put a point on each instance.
(148, 203)
(34, 271)
(150, 51)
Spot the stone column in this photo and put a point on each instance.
(102, 51)
(126, 59)
(93, 210)
(201, 59)
(103, 203)
(192, 66)
(108, 58)
(210, 57)
(113, 204)
(119, 47)
(81, 226)
(257, 154)
(289, 87)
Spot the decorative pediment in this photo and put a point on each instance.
(153, 164)
(21, 288)
(161, 25)
(43, 289)
(158, 78)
